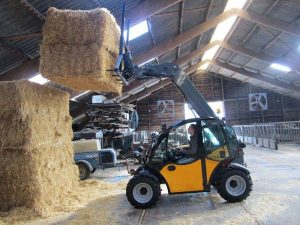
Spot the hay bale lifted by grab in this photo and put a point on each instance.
(36, 157)
(79, 47)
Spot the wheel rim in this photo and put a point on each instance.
(142, 193)
(82, 172)
(235, 185)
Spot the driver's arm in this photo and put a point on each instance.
(193, 148)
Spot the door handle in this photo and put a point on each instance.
(171, 168)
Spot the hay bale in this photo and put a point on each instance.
(36, 157)
(79, 47)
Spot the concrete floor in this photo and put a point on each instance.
(275, 198)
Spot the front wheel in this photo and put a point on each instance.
(235, 186)
(142, 192)
(84, 171)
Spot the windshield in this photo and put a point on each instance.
(173, 138)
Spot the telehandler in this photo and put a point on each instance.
(219, 159)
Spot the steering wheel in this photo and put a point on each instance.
(172, 154)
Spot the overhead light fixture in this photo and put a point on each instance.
(74, 98)
(137, 30)
(39, 79)
(222, 30)
(280, 67)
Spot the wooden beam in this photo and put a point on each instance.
(270, 22)
(147, 8)
(21, 36)
(230, 46)
(182, 38)
(188, 35)
(147, 91)
(16, 50)
(254, 75)
(198, 52)
(252, 30)
(261, 55)
(239, 49)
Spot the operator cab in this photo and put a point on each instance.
(213, 139)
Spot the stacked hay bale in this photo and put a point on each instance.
(36, 157)
(79, 47)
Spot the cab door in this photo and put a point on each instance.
(214, 144)
(184, 175)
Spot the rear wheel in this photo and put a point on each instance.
(84, 171)
(142, 191)
(234, 186)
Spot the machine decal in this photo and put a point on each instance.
(219, 154)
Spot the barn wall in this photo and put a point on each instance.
(234, 95)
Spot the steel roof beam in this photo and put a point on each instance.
(188, 35)
(148, 8)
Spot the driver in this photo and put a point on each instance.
(192, 150)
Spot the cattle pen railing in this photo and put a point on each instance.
(269, 134)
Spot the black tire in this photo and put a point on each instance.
(84, 171)
(238, 188)
(93, 171)
(140, 186)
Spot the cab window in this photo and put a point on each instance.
(213, 137)
(232, 139)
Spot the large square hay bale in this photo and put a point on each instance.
(78, 49)
(36, 157)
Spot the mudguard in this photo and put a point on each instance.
(239, 167)
(86, 163)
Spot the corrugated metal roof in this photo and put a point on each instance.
(16, 19)
(270, 41)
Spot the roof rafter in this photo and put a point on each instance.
(246, 73)
(209, 6)
(33, 9)
(180, 25)
(21, 36)
(182, 38)
(148, 8)
(253, 29)
(14, 49)
(147, 91)
(239, 49)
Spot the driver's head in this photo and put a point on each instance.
(192, 129)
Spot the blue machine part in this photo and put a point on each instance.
(91, 159)
(108, 157)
